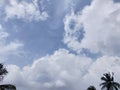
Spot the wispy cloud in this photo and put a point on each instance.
(6, 48)
(24, 10)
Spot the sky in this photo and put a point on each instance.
(59, 44)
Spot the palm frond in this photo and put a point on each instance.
(116, 84)
(104, 83)
(109, 83)
(104, 79)
(103, 87)
(115, 87)
(1, 65)
(3, 71)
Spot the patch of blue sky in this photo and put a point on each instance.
(42, 37)
(80, 4)
(89, 54)
(79, 34)
(37, 37)
(117, 1)
(72, 24)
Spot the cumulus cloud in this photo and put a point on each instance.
(24, 10)
(95, 28)
(100, 66)
(6, 48)
(62, 71)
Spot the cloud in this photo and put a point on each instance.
(62, 71)
(24, 10)
(7, 48)
(102, 65)
(95, 28)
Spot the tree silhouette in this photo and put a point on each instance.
(91, 88)
(3, 72)
(108, 82)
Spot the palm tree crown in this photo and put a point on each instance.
(108, 82)
(91, 88)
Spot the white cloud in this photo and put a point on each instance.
(58, 71)
(102, 65)
(24, 10)
(2, 33)
(62, 71)
(100, 22)
(66, 71)
(6, 48)
(72, 28)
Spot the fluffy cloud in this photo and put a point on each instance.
(62, 71)
(100, 66)
(95, 28)
(6, 48)
(24, 10)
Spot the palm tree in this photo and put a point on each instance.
(91, 88)
(108, 82)
(3, 72)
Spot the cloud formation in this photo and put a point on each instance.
(62, 71)
(95, 28)
(24, 10)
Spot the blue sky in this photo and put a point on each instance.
(42, 37)
(63, 41)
